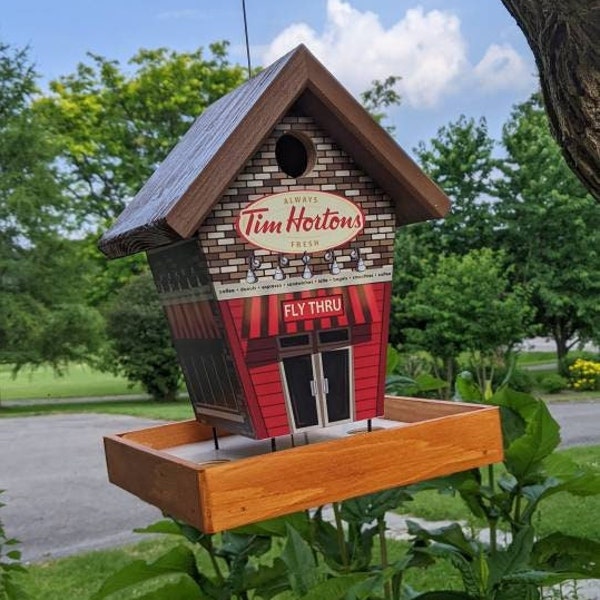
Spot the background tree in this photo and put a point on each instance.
(140, 345)
(380, 96)
(465, 304)
(459, 159)
(564, 39)
(550, 229)
(116, 124)
(42, 319)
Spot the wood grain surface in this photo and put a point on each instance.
(435, 438)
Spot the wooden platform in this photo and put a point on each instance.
(176, 468)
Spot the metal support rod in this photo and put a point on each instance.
(215, 438)
(247, 41)
(273, 445)
(369, 425)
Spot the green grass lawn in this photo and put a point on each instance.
(77, 381)
(536, 358)
(168, 411)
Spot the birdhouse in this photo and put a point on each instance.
(269, 230)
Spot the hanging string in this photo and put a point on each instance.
(247, 42)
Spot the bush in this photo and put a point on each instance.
(553, 383)
(568, 361)
(585, 375)
(140, 342)
(519, 380)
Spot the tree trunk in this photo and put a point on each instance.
(561, 339)
(564, 37)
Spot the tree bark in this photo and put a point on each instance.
(564, 36)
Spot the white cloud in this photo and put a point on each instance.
(502, 67)
(427, 49)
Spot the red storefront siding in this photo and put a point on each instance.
(231, 319)
(253, 325)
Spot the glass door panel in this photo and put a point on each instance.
(302, 391)
(336, 384)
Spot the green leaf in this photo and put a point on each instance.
(392, 360)
(451, 535)
(278, 526)
(168, 526)
(428, 383)
(370, 507)
(325, 538)
(178, 560)
(300, 562)
(335, 588)
(568, 556)
(466, 390)
(524, 455)
(182, 589)
(13, 591)
(237, 546)
(267, 581)
(579, 480)
(401, 385)
(513, 559)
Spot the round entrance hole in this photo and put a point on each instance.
(294, 154)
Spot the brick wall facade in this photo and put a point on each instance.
(334, 172)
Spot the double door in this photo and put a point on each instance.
(317, 381)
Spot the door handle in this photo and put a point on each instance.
(325, 385)
(313, 388)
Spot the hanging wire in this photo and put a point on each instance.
(247, 42)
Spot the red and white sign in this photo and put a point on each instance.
(312, 308)
(300, 221)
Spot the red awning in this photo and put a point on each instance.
(285, 314)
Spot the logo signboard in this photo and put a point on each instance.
(300, 221)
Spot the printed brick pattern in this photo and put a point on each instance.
(333, 171)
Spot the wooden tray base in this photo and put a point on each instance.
(176, 467)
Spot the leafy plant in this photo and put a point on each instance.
(402, 384)
(10, 565)
(508, 498)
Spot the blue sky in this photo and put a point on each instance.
(455, 56)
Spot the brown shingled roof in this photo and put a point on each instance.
(182, 191)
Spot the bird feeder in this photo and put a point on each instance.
(269, 230)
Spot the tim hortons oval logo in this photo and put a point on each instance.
(300, 221)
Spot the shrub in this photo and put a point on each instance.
(140, 342)
(519, 380)
(568, 361)
(553, 383)
(585, 375)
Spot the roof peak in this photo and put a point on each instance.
(193, 177)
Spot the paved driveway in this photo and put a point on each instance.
(58, 499)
